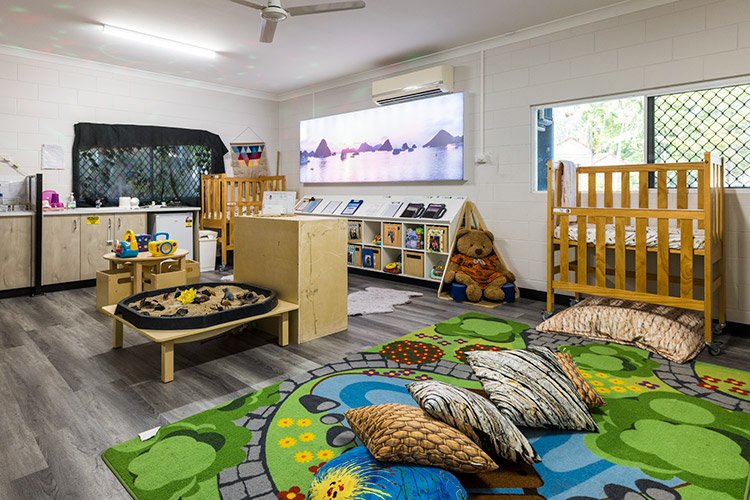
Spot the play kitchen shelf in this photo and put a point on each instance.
(381, 241)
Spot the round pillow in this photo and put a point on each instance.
(356, 475)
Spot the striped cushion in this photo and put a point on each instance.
(531, 389)
(587, 393)
(476, 417)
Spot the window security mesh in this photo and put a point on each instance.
(160, 173)
(690, 123)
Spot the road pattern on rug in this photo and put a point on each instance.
(677, 430)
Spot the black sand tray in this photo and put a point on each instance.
(148, 322)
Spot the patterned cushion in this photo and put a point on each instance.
(676, 334)
(357, 475)
(476, 417)
(406, 434)
(531, 389)
(587, 393)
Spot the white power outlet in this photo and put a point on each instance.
(482, 158)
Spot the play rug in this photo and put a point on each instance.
(669, 431)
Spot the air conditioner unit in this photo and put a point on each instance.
(424, 83)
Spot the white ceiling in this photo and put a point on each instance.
(307, 50)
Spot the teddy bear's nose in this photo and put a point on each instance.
(479, 251)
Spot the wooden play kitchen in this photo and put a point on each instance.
(168, 338)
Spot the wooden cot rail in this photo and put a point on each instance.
(588, 260)
(223, 198)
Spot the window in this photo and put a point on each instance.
(688, 124)
(149, 163)
(598, 133)
(676, 127)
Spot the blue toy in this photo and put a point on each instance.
(128, 247)
(415, 238)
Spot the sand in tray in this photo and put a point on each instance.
(219, 301)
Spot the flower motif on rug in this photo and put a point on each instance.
(412, 353)
(303, 456)
(292, 494)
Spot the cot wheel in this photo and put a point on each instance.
(718, 328)
(714, 348)
(546, 315)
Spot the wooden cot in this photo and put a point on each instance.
(224, 198)
(634, 276)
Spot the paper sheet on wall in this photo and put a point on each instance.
(53, 157)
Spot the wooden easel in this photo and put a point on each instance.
(469, 218)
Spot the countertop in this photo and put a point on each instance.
(101, 211)
(17, 213)
(117, 210)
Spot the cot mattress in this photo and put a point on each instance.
(652, 237)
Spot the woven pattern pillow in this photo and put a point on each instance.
(584, 389)
(676, 334)
(406, 434)
(476, 417)
(531, 389)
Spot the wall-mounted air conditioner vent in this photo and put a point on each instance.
(424, 83)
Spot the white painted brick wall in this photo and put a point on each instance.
(40, 101)
(668, 45)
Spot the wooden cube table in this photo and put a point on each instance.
(168, 338)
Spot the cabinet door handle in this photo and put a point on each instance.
(119, 223)
(75, 224)
(109, 231)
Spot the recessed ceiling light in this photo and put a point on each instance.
(158, 41)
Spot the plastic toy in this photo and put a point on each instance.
(437, 272)
(163, 247)
(415, 238)
(187, 296)
(143, 240)
(128, 247)
(377, 240)
(393, 268)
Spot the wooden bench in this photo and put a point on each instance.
(168, 338)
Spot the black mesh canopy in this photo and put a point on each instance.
(150, 163)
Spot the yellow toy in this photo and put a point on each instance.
(128, 247)
(187, 296)
(163, 247)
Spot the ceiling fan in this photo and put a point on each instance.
(273, 13)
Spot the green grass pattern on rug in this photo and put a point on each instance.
(686, 427)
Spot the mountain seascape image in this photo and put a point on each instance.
(414, 141)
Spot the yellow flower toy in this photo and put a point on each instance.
(187, 296)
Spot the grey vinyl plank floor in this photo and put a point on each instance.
(66, 396)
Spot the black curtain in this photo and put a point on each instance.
(105, 136)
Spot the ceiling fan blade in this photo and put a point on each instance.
(248, 4)
(267, 29)
(324, 7)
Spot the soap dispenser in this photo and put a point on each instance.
(72, 201)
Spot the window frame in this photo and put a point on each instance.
(648, 133)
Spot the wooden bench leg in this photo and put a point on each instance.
(167, 362)
(116, 334)
(283, 329)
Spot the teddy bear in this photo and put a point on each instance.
(475, 265)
